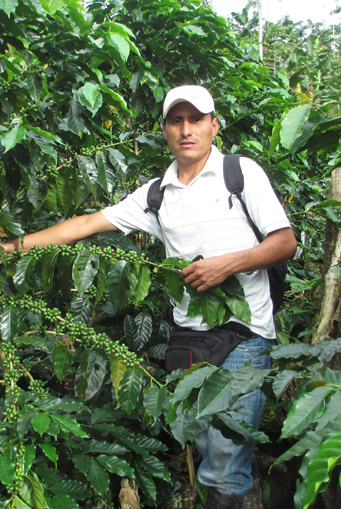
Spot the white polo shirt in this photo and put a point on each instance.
(196, 220)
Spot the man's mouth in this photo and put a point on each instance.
(187, 143)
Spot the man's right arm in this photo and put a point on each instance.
(67, 232)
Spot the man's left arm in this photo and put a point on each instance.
(279, 246)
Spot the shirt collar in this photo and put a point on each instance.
(212, 165)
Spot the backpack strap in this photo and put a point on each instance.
(154, 198)
(234, 181)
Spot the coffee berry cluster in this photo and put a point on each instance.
(88, 337)
(19, 470)
(12, 373)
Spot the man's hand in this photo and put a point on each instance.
(276, 248)
(209, 272)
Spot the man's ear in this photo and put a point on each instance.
(164, 130)
(215, 126)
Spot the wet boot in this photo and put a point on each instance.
(251, 500)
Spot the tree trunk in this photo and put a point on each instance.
(329, 322)
(260, 28)
(129, 497)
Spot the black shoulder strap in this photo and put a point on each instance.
(234, 181)
(155, 197)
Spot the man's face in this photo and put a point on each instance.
(189, 133)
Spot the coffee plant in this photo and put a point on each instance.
(85, 400)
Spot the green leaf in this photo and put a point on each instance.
(95, 375)
(84, 270)
(115, 465)
(50, 451)
(48, 268)
(304, 411)
(43, 134)
(90, 97)
(89, 172)
(7, 466)
(40, 423)
(120, 44)
(156, 468)
(9, 6)
(237, 429)
(61, 360)
(143, 284)
(154, 400)
(144, 329)
(118, 161)
(68, 425)
(64, 188)
(145, 480)
(75, 489)
(64, 501)
(12, 137)
(174, 284)
(38, 491)
(106, 178)
(98, 477)
(282, 381)
(8, 223)
(117, 369)
(293, 125)
(319, 468)
(75, 122)
(82, 462)
(129, 389)
(55, 5)
(24, 268)
(118, 284)
(191, 379)
(117, 98)
(9, 322)
(214, 394)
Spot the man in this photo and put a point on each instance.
(194, 218)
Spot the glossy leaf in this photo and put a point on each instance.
(154, 400)
(304, 411)
(8, 6)
(40, 423)
(84, 270)
(7, 466)
(24, 269)
(293, 125)
(61, 359)
(214, 394)
(98, 477)
(319, 468)
(282, 380)
(12, 137)
(193, 379)
(68, 425)
(118, 284)
(38, 490)
(9, 322)
(50, 451)
(129, 389)
(116, 465)
(143, 285)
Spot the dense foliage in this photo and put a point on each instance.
(83, 384)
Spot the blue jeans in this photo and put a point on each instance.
(226, 466)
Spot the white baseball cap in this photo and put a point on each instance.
(194, 94)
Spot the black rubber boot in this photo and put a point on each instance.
(251, 500)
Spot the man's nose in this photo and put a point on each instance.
(186, 128)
